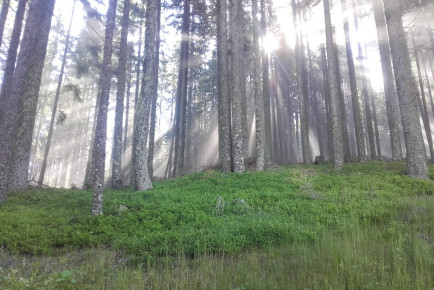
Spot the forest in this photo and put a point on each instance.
(291, 142)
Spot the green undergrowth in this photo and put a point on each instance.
(296, 223)
(208, 212)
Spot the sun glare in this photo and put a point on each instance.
(270, 43)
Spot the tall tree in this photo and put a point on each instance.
(224, 106)
(181, 94)
(3, 16)
(144, 102)
(389, 85)
(17, 122)
(12, 54)
(266, 86)
(117, 176)
(407, 90)
(303, 86)
(259, 101)
(336, 126)
(423, 105)
(56, 100)
(357, 112)
(237, 134)
(154, 97)
(99, 143)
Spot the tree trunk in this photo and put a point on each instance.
(266, 88)
(338, 152)
(407, 91)
(181, 94)
(3, 16)
(139, 56)
(16, 126)
(99, 144)
(224, 105)
(90, 166)
(12, 54)
(259, 100)
(237, 126)
(303, 90)
(423, 106)
(327, 99)
(143, 108)
(368, 113)
(154, 97)
(56, 100)
(429, 89)
(342, 107)
(357, 112)
(375, 120)
(117, 175)
(389, 86)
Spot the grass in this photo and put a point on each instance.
(306, 227)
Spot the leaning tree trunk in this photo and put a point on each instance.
(357, 112)
(117, 175)
(407, 91)
(259, 101)
(12, 55)
(237, 127)
(99, 143)
(338, 150)
(20, 113)
(56, 100)
(224, 105)
(143, 108)
(389, 86)
(181, 93)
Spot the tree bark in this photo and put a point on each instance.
(389, 86)
(357, 112)
(12, 54)
(407, 91)
(259, 100)
(423, 106)
(56, 100)
(154, 97)
(338, 152)
(117, 176)
(303, 90)
(143, 108)
(368, 113)
(266, 88)
(237, 126)
(181, 94)
(327, 91)
(3, 16)
(224, 105)
(19, 117)
(99, 144)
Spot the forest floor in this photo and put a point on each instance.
(294, 227)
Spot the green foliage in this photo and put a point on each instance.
(305, 226)
(75, 90)
(61, 118)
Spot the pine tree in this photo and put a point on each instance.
(99, 144)
(407, 90)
